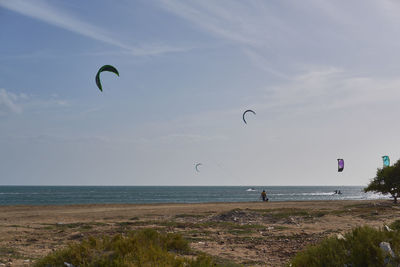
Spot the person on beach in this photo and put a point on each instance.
(264, 196)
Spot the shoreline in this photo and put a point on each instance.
(192, 203)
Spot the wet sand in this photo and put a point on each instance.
(251, 233)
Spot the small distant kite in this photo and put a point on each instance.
(386, 161)
(340, 165)
(104, 68)
(244, 114)
(197, 167)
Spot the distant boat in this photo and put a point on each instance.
(251, 190)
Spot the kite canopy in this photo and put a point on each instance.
(197, 166)
(386, 161)
(340, 165)
(104, 68)
(244, 113)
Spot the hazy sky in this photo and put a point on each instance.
(323, 77)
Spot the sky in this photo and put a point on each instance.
(322, 77)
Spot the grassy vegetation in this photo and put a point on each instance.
(79, 225)
(124, 224)
(190, 215)
(140, 248)
(360, 247)
(395, 225)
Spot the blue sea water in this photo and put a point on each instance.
(63, 195)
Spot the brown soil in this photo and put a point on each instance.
(251, 234)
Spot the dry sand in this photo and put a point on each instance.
(252, 234)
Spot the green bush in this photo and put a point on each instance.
(395, 225)
(140, 248)
(360, 247)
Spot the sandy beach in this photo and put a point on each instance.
(251, 233)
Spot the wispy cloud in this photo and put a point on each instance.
(9, 102)
(328, 88)
(235, 21)
(252, 25)
(45, 12)
(145, 50)
(42, 11)
(290, 33)
(17, 103)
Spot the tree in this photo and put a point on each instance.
(387, 181)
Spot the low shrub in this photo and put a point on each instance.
(140, 248)
(395, 225)
(360, 247)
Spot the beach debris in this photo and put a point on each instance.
(270, 228)
(340, 165)
(293, 220)
(386, 161)
(340, 237)
(385, 246)
(197, 165)
(68, 264)
(104, 68)
(387, 228)
(244, 113)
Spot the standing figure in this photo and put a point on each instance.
(264, 196)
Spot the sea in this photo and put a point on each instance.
(65, 195)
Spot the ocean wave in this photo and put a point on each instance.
(377, 196)
(318, 194)
(304, 194)
(18, 193)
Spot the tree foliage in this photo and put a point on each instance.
(387, 181)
